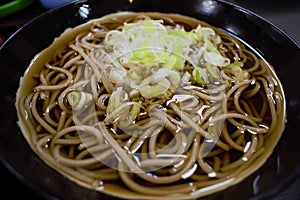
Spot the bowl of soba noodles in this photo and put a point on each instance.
(150, 100)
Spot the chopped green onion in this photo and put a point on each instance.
(150, 91)
(144, 47)
(135, 112)
(210, 69)
(78, 100)
(235, 64)
(209, 46)
(173, 76)
(184, 34)
(215, 58)
(115, 100)
(197, 77)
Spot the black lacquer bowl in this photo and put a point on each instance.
(274, 45)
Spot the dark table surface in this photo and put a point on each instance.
(283, 14)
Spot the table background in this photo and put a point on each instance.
(283, 14)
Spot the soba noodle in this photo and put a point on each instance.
(151, 105)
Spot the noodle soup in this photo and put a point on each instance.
(151, 106)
